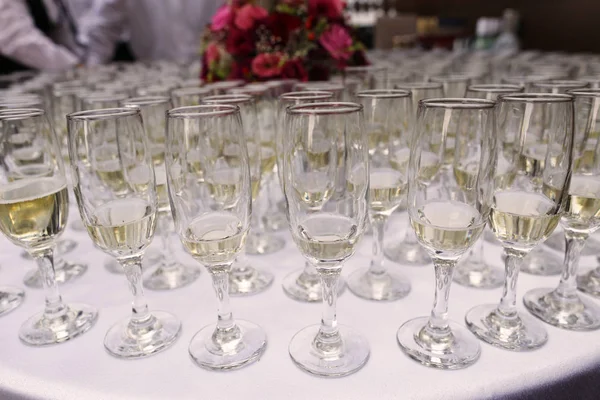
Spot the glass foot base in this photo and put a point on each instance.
(589, 283)
(352, 357)
(520, 333)
(248, 348)
(264, 244)
(307, 287)
(65, 272)
(462, 350)
(249, 281)
(161, 332)
(63, 246)
(388, 286)
(169, 277)
(275, 221)
(407, 254)
(10, 298)
(574, 313)
(478, 276)
(39, 330)
(557, 242)
(540, 262)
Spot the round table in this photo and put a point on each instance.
(566, 367)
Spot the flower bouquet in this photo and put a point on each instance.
(298, 39)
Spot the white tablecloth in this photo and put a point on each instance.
(82, 369)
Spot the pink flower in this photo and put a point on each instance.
(337, 42)
(267, 65)
(248, 14)
(212, 53)
(222, 18)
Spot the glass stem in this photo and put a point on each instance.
(328, 339)
(568, 281)
(438, 320)
(378, 224)
(508, 303)
(227, 335)
(54, 304)
(132, 267)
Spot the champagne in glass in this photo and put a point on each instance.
(389, 112)
(212, 217)
(33, 214)
(562, 306)
(119, 211)
(327, 233)
(523, 215)
(244, 278)
(448, 219)
(165, 271)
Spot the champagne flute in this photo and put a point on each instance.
(522, 215)
(33, 214)
(259, 240)
(473, 270)
(327, 204)
(223, 87)
(367, 76)
(113, 178)
(211, 204)
(448, 218)
(455, 86)
(166, 273)
(303, 284)
(563, 307)
(388, 116)
(408, 251)
(244, 279)
(188, 96)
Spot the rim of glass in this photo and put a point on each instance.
(590, 78)
(14, 114)
(384, 93)
(450, 78)
(101, 97)
(146, 101)
(224, 84)
(589, 92)
(536, 98)
(561, 83)
(252, 91)
(496, 88)
(419, 85)
(204, 110)
(103, 113)
(20, 103)
(325, 108)
(306, 95)
(525, 78)
(458, 103)
(231, 98)
(189, 91)
(365, 68)
(321, 85)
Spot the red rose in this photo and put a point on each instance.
(247, 15)
(337, 41)
(240, 43)
(332, 9)
(281, 25)
(267, 65)
(294, 69)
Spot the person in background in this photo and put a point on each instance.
(40, 34)
(158, 29)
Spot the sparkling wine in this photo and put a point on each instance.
(313, 188)
(583, 206)
(429, 165)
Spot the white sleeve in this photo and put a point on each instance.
(102, 29)
(21, 41)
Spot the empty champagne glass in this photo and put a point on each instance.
(388, 124)
(244, 279)
(448, 218)
(222, 87)
(34, 204)
(113, 178)
(563, 307)
(455, 86)
(302, 284)
(367, 76)
(188, 96)
(522, 215)
(473, 270)
(409, 251)
(259, 240)
(327, 205)
(165, 271)
(211, 203)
